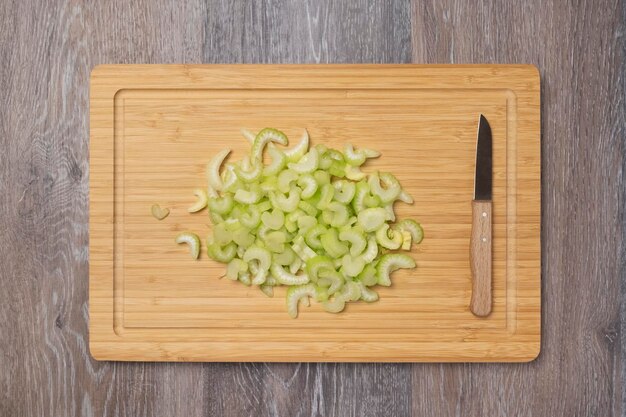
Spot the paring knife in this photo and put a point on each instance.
(480, 240)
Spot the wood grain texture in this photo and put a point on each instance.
(153, 129)
(481, 257)
(48, 49)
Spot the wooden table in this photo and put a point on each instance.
(47, 50)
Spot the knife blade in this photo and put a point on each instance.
(481, 235)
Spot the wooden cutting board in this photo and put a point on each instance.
(154, 127)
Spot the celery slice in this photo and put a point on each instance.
(331, 279)
(267, 290)
(286, 204)
(356, 239)
(287, 278)
(371, 252)
(322, 177)
(263, 137)
(414, 228)
(354, 173)
(405, 197)
(274, 219)
(279, 160)
(327, 193)
(301, 249)
(222, 254)
(370, 153)
(357, 158)
(275, 241)
(159, 212)
(298, 151)
(264, 260)
(216, 218)
(269, 184)
(259, 277)
(406, 240)
(264, 206)
(368, 276)
(352, 157)
(220, 205)
(286, 257)
(248, 134)
(295, 294)
(336, 305)
(344, 191)
(221, 235)
(285, 180)
(372, 201)
(308, 184)
(367, 294)
(294, 216)
(340, 214)
(332, 245)
(250, 175)
(213, 169)
(338, 169)
(388, 238)
(318, 264)
(262, 231)
(390, 215)
(321, 294)
(361, 192)
(244, 278)
(307, 164)
(229, 180)
(247, 197)
(351, 291)
(307, 208)
(192, 240)
(250, 218)
(321, 148)
(291, 225)
(202, 199)
(236, 267)
(371, 219)
(352, 266)
(306, 223)
(243, 237)
(391, 188)
(295, 266)
(392, 262)
(312, 237)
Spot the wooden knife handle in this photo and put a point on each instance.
(480, 257)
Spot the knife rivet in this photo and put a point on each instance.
(484, 214)
(484, 239)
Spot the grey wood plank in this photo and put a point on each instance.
(309, 389)
(306, 31)
(579, 49)
(44, 215)
(620, 385)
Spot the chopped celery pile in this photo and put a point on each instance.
(308, 219)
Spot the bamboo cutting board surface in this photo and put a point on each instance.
(154, 127)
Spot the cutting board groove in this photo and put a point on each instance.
(154, 127)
